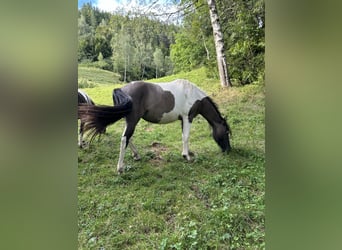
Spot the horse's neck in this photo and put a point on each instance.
(210, 112)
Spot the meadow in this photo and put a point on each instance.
(216, 201)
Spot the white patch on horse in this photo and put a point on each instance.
(185, 94)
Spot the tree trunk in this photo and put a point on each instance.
(125, 70)
(219, 45)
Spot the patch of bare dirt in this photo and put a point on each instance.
(157, 149)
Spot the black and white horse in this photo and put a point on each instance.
(157, 103)
(83, 98)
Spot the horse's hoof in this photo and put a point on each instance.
(187, 157)
(136, 157)
(84, 144)
(120, 169)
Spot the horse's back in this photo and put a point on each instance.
(184, 88)
(186, 95)
(163, 102)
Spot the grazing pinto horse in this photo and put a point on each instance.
(157, 103)
(83, 98)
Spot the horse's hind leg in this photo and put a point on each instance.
(136, 155)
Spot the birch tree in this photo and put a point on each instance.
(219, 45)
(218, 38)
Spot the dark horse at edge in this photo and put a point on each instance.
(156, 103)
(83, 98)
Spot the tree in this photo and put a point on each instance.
(103, 36)
(191, 5)
(242, 24)
(186, 53)
(122, 54)
(85, 40)
(219, 45)
(158, 60)
(244, 30)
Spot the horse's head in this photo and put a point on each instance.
(221, 133)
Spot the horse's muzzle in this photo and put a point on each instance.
(227, 150)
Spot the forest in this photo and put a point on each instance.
(144, 46)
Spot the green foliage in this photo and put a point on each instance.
(127, 42)
(158, 60)
(216, 201)
(247, 38)
(186, 53)
(194, 44)
(243, 25)
(123, 53)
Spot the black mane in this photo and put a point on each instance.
(223, 120)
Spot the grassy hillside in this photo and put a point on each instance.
(163, 202)
(91, 77)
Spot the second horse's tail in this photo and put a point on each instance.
(98, 117)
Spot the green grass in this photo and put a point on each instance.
(163, 202)
(92, 77)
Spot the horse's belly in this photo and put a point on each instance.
(177, 112)
(169, 117)
(162, 118)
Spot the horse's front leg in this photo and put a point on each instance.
(185, 137)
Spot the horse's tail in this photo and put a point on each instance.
(97, 117)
